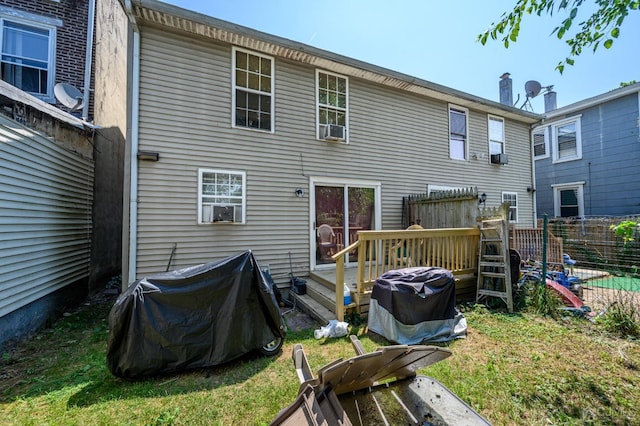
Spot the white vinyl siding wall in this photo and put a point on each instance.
(398, 139)
(46, 198)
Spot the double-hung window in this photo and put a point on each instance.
(332, 99)
(221, 196)
(458, 133)
(511, 198)
(568, 199)
(540, 142)
(252, 90)
(567, 140)
(496, 135)
(28, 56)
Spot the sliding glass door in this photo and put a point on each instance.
(340, 211)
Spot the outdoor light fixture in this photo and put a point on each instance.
(531, 189)
(299, 192)
(482, 198)
(149, 156)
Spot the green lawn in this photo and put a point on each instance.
(513, 369)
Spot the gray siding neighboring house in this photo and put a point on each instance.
(587, 157)
(233, 136)
(46, 201)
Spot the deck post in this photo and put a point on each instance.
(340, 288)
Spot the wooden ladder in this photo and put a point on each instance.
(494, 270)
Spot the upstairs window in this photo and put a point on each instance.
(28, 52)
(567, 141)
(511, 198)
(221, 196)
(496, 135)
(253, 90)
(540, 142)
(332, 99)
(457, 133)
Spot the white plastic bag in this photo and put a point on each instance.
(335, 328)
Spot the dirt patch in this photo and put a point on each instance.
(599, 298)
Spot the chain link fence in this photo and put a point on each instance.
(607, 266)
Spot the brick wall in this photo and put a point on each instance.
(70, 38)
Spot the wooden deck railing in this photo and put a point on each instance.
(455, 249)
(528, 242)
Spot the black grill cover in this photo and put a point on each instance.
(416, 305)
(191, 318)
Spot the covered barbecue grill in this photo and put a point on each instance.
(416, 305)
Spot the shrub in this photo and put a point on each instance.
(621, 318)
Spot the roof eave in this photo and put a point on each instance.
(154, 12)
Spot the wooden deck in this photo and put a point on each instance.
(377, 252)
(319, 302)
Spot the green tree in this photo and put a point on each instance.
(602, 27)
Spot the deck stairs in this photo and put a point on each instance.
(320, 300)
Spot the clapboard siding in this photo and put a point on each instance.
(396, 138)
(609, 164)
(46, 196)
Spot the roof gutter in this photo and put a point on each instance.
(596, 100)
(133, 162)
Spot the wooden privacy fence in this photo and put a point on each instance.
(592, 242)
(456, 208)
(455, 249)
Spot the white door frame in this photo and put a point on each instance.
(344, 182)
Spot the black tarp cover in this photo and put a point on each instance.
(192, 318)
(416, 305)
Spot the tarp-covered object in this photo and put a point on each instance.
(192, 318)
(416, 305)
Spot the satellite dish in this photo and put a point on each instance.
(532, 88)
(68, 96)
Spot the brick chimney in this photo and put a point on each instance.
(550, 100)
(506, 89)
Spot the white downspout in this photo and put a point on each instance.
(87, 61)
(135, 106)
(533, 176)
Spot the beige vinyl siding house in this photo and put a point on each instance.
(395, 142)
(47, 168)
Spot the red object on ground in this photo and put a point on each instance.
(567, 296)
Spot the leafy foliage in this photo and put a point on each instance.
(625, 230)
(601, 28)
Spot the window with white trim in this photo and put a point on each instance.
(221, 196)
(496, 135)
(568, 200)
(252, 90)
(540, 141)
(28, 56)
(512, 199)
(567, 141)
(457, 133)
(332, 99)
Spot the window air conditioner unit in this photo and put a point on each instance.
(224, 213)
(332, 132)
(499, 159)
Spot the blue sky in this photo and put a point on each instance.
(436, 41)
